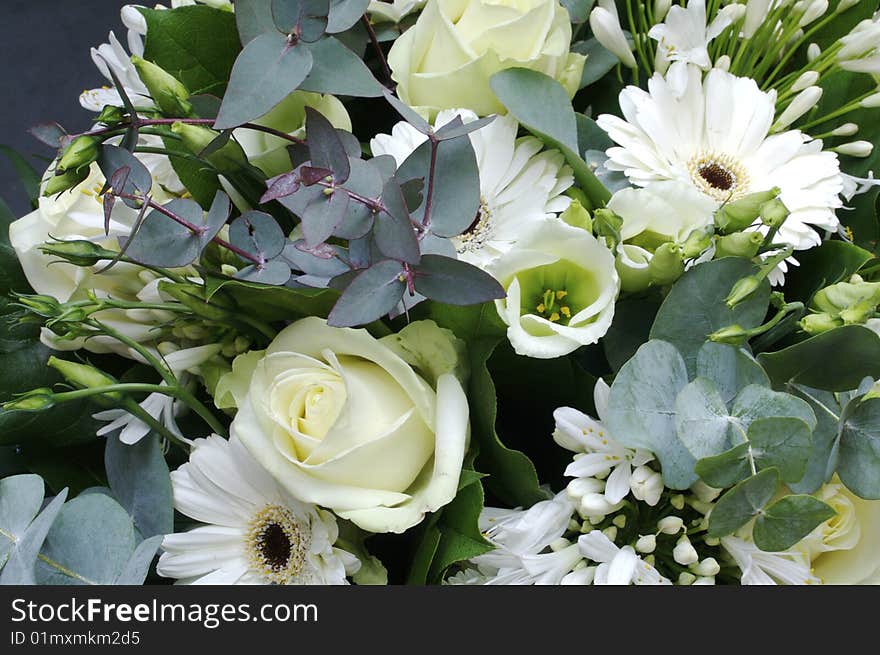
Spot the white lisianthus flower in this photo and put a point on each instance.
(762, 568)
(521, 184)
(447, 58)
(255, 532)
(597, 451)
(617, 566)
(715, 137)
(374, 429)
(684, 35)
(78, 214)
(527, 546)
(561, 287)
(393, 12)
(844, 549)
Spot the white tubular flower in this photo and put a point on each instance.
(161, 407)
(661, 8)
(855, 149)
(802, 103)
(756, 12)
(813, 9)
(522, 539)
(113, 56)
(647, 485)
(607, 30)
(806, 80)
(617, 566)
(597, 450)
(255, 532)
(684, 36)
(762, 568)
(561, 286)
(393, 12)
(521, 184)
(716, 137)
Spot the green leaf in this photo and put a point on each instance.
(455, 282)
(266, 72)
(542, 106)
(258, 234)
(600, 61)
(859, 448)
(254, 17)
(196, 44)
(22, 530)
(345, 13)
(139, 480)
(742, 503)
(273, 304)
(632, 324)
(429, 541)
(728, 468)
(822, 462)
(338, 70)
(783, 443)
(138, 565)
(833, 361)
(27, 174)
(788, 520)
(642, 410)
(200, 179)
(372, 294)
(701, 419)
(832, 262)
(696, 307)
(757, 402)
(162, 241)
(90, 542)
(730, 368)
(471, 322)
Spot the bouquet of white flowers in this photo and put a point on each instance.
(544, 292)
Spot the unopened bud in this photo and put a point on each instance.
(743, 289)
(646, 485)
(667, 264)
(855, 149)
(686, 578)
(196, 138)
(802, 103)
(632, 264)
(595, 504)
(646, 543)
(579, 487)
(806, 80)
(32, 401)
(619, 521)
(709, 567)
(677, 501)
(670, 525)
(79, 154)
(704, 492)
(723, 63)
(610, 532)
(169, 93)
(78, 253)
(607, 224)
(661, 8)
(607, 30)
(684, 552)
(577, 216)
(739, 244)
(580, 576)
(740, 214)
(697, 242)
(813, 52)
(734, 335)
(847, 129)
(84, 376)
(559, 544)
(110, 115)
(64, 181)
(774, 213)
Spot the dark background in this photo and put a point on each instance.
(44, 66)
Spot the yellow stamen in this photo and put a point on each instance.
(566, 311)
(554, 317)
(561, 294)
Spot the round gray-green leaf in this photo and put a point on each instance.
(788, 520)
(742, 503)
(859, 451)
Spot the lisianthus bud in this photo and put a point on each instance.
(633, 268)
(79, 253)
(196, 138)
(845, 295)
(169, 93)
(818, 323)
(735, 335)
(84, 376)
(577, 216)
(774, 213)
(697, 242)
(110, 115)
(667, 264)
(743, 289)
(79, 154)
(739, 244)
(607, 224)
(33, 401)
(64, 181)
(740, 214)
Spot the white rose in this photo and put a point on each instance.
(561, 287)
(374, 429)
(78, 214)
(846, 548)
(446, 59)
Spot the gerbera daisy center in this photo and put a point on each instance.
(277, 544)
(719, 176)
(480, 231)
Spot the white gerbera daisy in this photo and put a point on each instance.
(519, 184)
(716, 136)
(257, 533)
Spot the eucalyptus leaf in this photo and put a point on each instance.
(140, 481)
(344, 14)
(325, 146)
(455, 282)
(321, 218)
(600, 61)
(788, 520)
(783, 443)
(137, 178)
(162, 241)
(274, 273)
(757, 402)
(305, 18)
(266, 72)
(258, 234)
(138, 565)
(823, 461)
(371, 295)
(253, 18)
(859, 449)
(743, 503)
(696, 307)
(337, 70)
(642, 411)
(728, 468)
(393, 230)
(730, 368)
(701, 419)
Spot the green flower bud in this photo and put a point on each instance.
(607, 224)
(739, 244)
(577, 216)
(667, 264)
(78, 253)
(819, 323)
(46, 306)
(110, 115)
(196, 138)
(32, 401)
(740, 214)
(79, 154)
(733, 335)
(844, 295)
(774, 213)
(192, 297)
(84, 376)
(743, 289)
(169, 94)
(633, 268)
(859, 313)
(697, 242)
(64, 181)
(576, 194)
